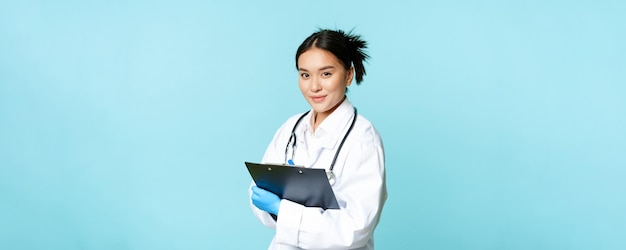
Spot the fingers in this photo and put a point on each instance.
(265, 200)
(259, 191)
(256, 191)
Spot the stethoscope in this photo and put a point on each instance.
(292, 140)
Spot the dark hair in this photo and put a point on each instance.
(348, 48)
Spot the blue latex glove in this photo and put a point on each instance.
(265, 200)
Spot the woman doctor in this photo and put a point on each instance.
(334, 137)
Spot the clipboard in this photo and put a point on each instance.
(306, 186)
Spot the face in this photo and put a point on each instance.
(323, 80)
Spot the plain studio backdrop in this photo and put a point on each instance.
(125, 124)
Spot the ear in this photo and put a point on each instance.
(349, 76)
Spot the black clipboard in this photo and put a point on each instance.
(306, 186)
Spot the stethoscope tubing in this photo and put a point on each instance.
(292, 141)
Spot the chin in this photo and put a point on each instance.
(317, 108)
(321, 110)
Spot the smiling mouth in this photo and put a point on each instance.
(318, 98)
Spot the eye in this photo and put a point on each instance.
(304, 75)
(326, 74)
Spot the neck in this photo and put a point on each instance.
(319, 117)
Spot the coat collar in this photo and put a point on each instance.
(333, 127)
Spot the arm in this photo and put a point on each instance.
(361, 193)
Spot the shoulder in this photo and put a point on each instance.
(292, 120)
(287, 126)
(366, 130)
(274, 151)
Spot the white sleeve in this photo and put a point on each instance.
(361, 193)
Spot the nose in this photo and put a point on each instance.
(316, 84)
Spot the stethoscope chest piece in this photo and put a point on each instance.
(331, 177)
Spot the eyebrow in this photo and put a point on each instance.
(322, 68)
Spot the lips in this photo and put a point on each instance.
(318, 98)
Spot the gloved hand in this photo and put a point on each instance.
(265, 200)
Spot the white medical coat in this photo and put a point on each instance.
(360, 186)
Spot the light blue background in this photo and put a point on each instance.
(125, 124)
